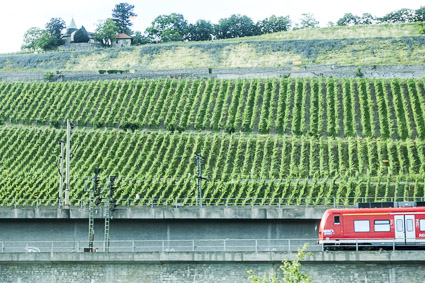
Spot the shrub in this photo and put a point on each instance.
(81, 35)
(421, 27)
(359, 72)
(49, 76)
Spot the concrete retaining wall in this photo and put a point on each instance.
(218, 267)
(231, 73)
(168, 212)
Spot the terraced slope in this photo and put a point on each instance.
(389, 44)
(160, 166)
(312, 107)
(294, 141)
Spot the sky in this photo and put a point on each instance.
(17, 16)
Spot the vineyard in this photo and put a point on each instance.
(387, 109)
(268, 141)
(159, 166)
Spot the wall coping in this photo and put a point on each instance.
(161, 257)
(169, 212)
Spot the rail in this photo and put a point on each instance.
(180, 202)
(205, 245)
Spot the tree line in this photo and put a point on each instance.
(174, 27)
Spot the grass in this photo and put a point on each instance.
(364, 31)
(385, 44)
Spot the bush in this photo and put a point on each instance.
(81, 35)
(49, 76)
(129, 126)
(421, 27)
(55, 124)
(359, 72)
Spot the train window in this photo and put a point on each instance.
(337, 220)
(382, 225)
(409, 225)
(422, 224)
(399, 225)
(361, 226)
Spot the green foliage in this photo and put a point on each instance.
(308, 21)
(420, 14)
(235, 26)
(359, 72)
(201, 30)
(38, 39)
(291, 271)
(274, 24)
(348, 20)
(166, 28)
(55, 27)
(81, 35)
(400, 16)
(353, 136)
(140, 39)
(49, 76)
(263, 106)
(31, 38)
(421, 27)
(105, 33)
(121, 15)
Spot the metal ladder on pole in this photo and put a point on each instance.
(91, 220)
(92, 203)
(106, 236)
(109, 206)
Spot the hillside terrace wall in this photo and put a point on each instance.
(231, 73)
(223, 267)
(169, 212)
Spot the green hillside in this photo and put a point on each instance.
(389, 44)
(295, 141)
(317, 107)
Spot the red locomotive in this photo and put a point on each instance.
(388, 226)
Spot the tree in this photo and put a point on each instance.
(166, 28)
(235, 26)
(31, 37)
(38, 39)
(348, 20)
(400, 16)
(140, 39)
(201, 30)
(55, 26)
(291, 271)
(420, 14)
(105, 33)
(367, 19)
(274, 24)
(308, 21)
(48, 41)
(121, 15)
(81, 35)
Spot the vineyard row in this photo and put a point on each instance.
(161, 165)
(389, 108)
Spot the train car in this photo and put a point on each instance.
(390, 226)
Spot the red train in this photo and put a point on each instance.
(389, 226)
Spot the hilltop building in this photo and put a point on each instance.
(69, 39)
(123, 39)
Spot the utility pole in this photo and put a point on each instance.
(69, 127)
(61, 158)
(109, 207)
(92, 203)
(199, 161)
